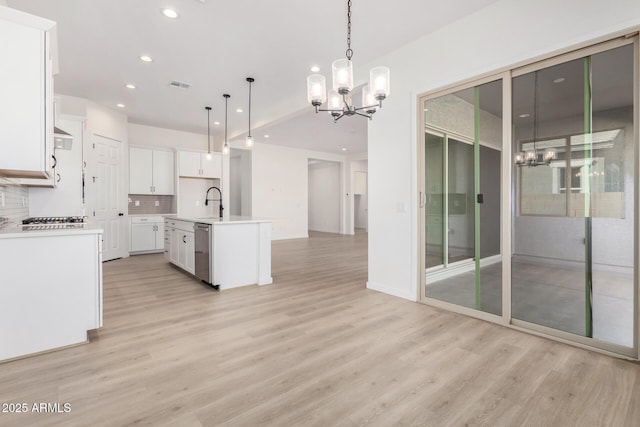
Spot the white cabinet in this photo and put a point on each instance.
(151, 171)
(55, 303)
(181, 244)
(26, 103)
(147, 234)
(193, 164)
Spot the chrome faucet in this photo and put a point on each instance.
(207, 199)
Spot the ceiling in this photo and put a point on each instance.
(214, 45)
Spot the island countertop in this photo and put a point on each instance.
(233, 219)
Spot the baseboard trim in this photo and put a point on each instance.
(391, 291)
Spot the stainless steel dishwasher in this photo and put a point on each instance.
(204, 269)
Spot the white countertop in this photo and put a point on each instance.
(15, 231)
(233, 219)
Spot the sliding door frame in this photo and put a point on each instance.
(508, 207)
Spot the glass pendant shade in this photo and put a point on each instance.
(379, 82)
(335, 100)
(209, 156)
(531, 156)
(316, 89)
(248, 142)
(225, 148)
(519, 158)
(549, 154)
(342, 72)
(368, 99)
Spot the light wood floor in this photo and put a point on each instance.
(316, 348)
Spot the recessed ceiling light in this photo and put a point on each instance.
(239, 110)
(120, 105)
(558, 80)
(344, 149)
(314, 68)
(170, 13)
(130, 86)
(266, 136)
(145, 58)
(524, 116)
(216, 123)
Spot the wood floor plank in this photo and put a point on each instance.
(315, 348)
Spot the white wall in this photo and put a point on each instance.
(502, 35)
(324, 196)
(360, 201)
(280, 187)
(161, 137)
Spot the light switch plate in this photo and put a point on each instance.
(137, 203)
(157, 203)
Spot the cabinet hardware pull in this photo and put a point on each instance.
(55, 162)
(59, 177)
(184, 239)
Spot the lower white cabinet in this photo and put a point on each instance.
(146, 234)
(181, 244)
(50, 290)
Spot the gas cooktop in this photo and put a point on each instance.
(42, 220)
(53, 223)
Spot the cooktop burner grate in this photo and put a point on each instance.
(36, 220)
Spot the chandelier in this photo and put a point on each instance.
(340, 103)
(533, 157)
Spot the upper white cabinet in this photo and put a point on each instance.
(26, 103)
(193, 164)
(151, 171)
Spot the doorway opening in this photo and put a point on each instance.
(240, 182)
(324, 196)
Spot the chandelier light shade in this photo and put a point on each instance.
(342, 72)
(531, 157)
(368, 99)
(317, 93)
(208, 132)
(248, 142)
(379, 82)
(225, 146)
(338, 101)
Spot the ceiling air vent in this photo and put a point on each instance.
(179, 85)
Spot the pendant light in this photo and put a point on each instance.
(225, 146)
(339, 100)
(208, 132)
(531, 157)
(249, 141)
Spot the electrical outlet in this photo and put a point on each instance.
(157, 203)
(2, 199)
(137, 203)
(197, 202)
(129, 199)
(25, 202)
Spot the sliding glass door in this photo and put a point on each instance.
(462, 154)
(573, 229)
(555, 248)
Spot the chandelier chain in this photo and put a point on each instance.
(349, 50)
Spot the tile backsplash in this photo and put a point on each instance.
(147, 204)
(14, 202)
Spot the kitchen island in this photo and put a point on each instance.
(239, 249)
(50, 288)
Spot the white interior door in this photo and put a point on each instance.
(104, 181)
